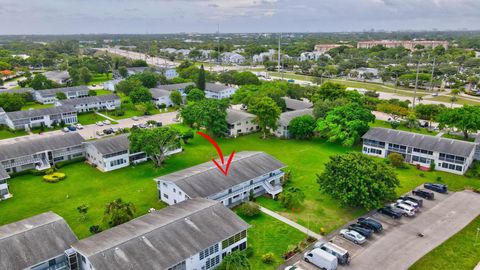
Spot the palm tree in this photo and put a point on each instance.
(454, 98)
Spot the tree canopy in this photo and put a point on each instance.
(195, 95)
(11, 102)
(208, 113)
(236, 260)
(466, 119)
(345, 124)
(154, 142)
(176, 97)
(118, 212)
(267, 113)
(302, 127)
(140, 95)
(358, 180)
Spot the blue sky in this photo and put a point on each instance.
(173, 16)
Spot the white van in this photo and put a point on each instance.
(342, 254)
(321, 259)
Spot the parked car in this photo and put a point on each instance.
(406, 210)
(72, 128)
(371, 224)
(79, 126)
(424, 194)
(321, 259)
(409, 203)
(343, 257)
(142, 125)
(135, 118)
(361, 230)
(108, 131)
(99, 123)
(65, 129)
(159, 124)
(440, 188)
(293, 267)
(107, 122)
(353, 236)
(389, 211)
(419, 202)
(99, 133)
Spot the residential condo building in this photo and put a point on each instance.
(49, 96)
(240, 122)
(191, 235)
(407, 44)
(284, 121)
(219, 91)
(250, 174)
(92, 103)
(26, 120)
(447, 155)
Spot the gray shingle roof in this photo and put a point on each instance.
(286, 117)
(40, 112)
(34, 240)
(16, 91)
(205, 180)
(31, 146)
(3, 173)
(159, 92)
(111, 145)
(215, 87)
(234, 116)
(163, 238)
(57, 75)
(53, 91)
(432, 143)
(89, 100)
(294, 104)
(176, 86)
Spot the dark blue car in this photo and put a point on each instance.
(440, 188)
(72, 128)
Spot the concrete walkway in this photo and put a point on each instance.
(477, 267)
(291, 223)
(105, 116)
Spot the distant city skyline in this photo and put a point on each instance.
(233, 16)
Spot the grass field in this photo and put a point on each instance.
(457, 137)
(385, 124)
(34, 105)
(100, 78)
(89, 118)
(458, 252)
(460, 100)
(270, 235)
(6, 133)
(101, 92)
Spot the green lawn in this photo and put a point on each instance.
(458, 252)
(6, 133)
(270, 235)
(385, 124)
(34, 105)
(100, 78)
(133, 112)
(101, 92)
(460, 100)
(457, 137)
(89, 118)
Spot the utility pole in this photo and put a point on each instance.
(218, 40)
(416, 86)
(279, 58)
(431, 77)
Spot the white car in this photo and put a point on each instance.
(353, 236)
(100, 133)
(405, 209)
(107, 122)
(409, 203)
(100, 123)
(79, 126)
(135, 118)
(65, 129)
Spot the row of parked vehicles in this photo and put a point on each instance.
(328, 255)
(72, 127)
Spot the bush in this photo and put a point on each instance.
(268, 258)
(432, 166)
(54, 177)
(249, 252)
(49, 171)
(421, 174)
(396, 160)
(249, 209)
(94, 229)
(394, 124)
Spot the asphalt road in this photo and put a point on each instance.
(89, 131)
(398, 246)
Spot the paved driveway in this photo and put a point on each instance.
(398, 247)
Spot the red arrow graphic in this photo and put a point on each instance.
(219, 151)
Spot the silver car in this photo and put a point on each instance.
(353, 236)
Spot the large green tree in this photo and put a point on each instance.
(358, 180)
(208, 113)
(236, 260)
(201, 79)
(345, 124)
(267, 114)
(292, 197)
(11, 102)
(140, 95)
(128, 85)
(466, 119)
(118, 212)
(302, 127)
(154, 142)
(176, 98)
(195, 95)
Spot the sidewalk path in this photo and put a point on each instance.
(105, 116)
(291, 223)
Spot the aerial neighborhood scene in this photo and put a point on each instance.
(240, 135)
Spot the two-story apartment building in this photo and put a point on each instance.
(49, 96)
(251, 173)
(161, 97)
(38, 154)
(176, 86)
(448, 155)
(219, 91)
(192, 235)
(4, 191)
(284, 121)
(240, 122)
(111, 153)
(58, 76)
(36, 243)
(92, 103)
(35, 118)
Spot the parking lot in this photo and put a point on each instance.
(399, 245)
